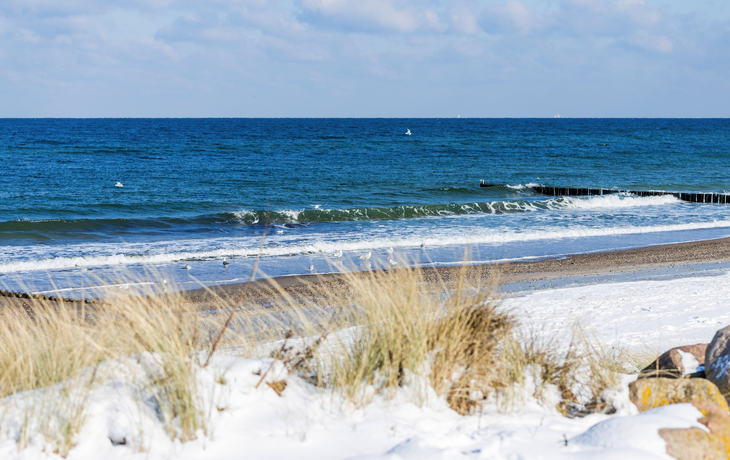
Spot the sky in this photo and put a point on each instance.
(364, 58)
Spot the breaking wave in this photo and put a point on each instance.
(452, 209)
(41, 229)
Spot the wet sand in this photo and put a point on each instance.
(669, 255)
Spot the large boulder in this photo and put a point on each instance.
(677, 362)
(717, 420)
(692, 444)
(650, 393)
(717, 360)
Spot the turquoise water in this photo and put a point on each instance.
(198, 190)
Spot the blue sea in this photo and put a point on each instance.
(297, 191)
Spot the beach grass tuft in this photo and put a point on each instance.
(376, 333)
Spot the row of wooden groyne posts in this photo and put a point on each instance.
(692, 197)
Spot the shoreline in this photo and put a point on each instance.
(592, 264)
(662, 256)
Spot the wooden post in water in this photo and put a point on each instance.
(718, 198)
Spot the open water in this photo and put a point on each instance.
(198, 190)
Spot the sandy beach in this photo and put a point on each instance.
(600, 263)
(661, 256)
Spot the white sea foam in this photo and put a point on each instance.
(448, 229)
(523, 186)
(618, 201)
(291, 214)
(614, 201)
(173, 251)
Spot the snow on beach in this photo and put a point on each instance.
(247, 421)
(250, 422)
(654, 315)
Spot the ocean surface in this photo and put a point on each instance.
(297, 191)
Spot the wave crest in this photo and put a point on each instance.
(41, 229)
(446, 210)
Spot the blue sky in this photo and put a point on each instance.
(364, 58)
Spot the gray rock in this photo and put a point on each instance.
(717, 360)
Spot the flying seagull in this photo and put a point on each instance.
(118, 184)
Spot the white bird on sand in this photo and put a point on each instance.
(389, 250)
(188, 267)
(392, 262)
(119, 184)
(366, 256)
(338, 254)
(408, 132)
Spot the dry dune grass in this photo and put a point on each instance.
(378, 333)
(407, 326)
(51, 349)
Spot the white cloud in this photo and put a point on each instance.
(363, 14)
(352, 48)
(638, 12)
(513, 16)
(26, 35)
(652, 42)
(434, 21)
(464, 18)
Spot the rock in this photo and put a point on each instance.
(717, 360)
(696, 375)
(692, 444)
(650, 393)
(717, 421)
(677, 362)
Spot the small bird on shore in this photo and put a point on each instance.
(118, 184)
(366, 256)
(338, 254)
(423, 246)
(389, 250)
(226, 263)
(188, 267)
(311, 268)
(392, 262)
